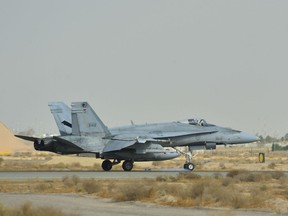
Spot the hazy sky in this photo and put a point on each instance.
(149, 61)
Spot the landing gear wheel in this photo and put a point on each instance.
(107, 165)
(189, 166)
(127, 165)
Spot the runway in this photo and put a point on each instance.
(49, 175)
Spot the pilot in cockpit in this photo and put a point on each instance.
(199, 122)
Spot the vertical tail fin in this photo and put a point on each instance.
(86, 122)
(62, 115)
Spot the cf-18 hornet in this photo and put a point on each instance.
(83, 133)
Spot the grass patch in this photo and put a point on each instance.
(189, 176)
(135, 192)
(272, 165)
(277, 175)
(70, 181)
(91, 186)
(42, 187)
(28, 210)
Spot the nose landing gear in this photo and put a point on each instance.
(188, 156)
(189, 166)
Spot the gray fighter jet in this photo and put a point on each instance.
(132, 143)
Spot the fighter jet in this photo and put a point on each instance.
(135, 142)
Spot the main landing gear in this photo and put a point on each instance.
(127, 165)
(107, 165)
(188, 156)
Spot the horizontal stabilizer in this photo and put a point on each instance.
(67, 143)
(27, 138)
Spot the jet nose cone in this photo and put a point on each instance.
(247, 138)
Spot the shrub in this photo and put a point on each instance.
(258, 196)
(3, 210)
(166, 179)
(227, 181)
(28, 210)
(127, 192)
(42, 187)
(234, 173)
(263, 187)
(178, 190)
(272, 165)
(189, 176)
(70, 181)
(60, 165)
(90, 186)
(222, 166)
(277, 175)
(193, 191)
(217, 176)
(76, 165)
(248, 177)
(156, 163)
(239, 201)
(197, 190)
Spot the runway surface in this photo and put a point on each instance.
(48, 175)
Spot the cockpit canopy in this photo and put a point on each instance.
(196, 121)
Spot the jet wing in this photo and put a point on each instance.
(116, 145)
(158, 137)
(125, 140)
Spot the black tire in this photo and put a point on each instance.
(127, 165)
(185, 166)
(107, 165)
(190, 166)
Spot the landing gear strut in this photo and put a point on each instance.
(188, 156)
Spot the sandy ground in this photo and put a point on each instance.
(9, 143)
(87, 205)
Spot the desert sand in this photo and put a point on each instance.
(9, 143)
